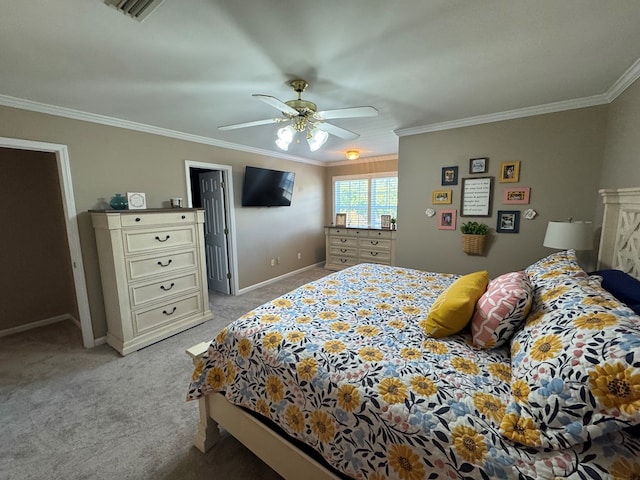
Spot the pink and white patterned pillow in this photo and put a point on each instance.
(501, 310)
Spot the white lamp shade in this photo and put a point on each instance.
(566, 235)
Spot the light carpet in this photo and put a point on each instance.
(71, 413)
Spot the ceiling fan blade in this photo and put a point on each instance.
(349, 113)
(250, 124)
(337, 131)
(279, 104)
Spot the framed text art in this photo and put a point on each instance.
(509, 172)
(518, 195)
(441, 196)
(478, 165)
(508, 221)
(341, 219)
(476, 197)
(385, 222)
(447, 219)
(450, 176)
(137, 200)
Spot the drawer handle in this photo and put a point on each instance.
(165, 238)
(343, 240)
(374, 254)
(343, 260)
(183, 217)
(167, 289)
(373, 242)
(163, 265)
(169, 313)
(343, 250)
(138, 219)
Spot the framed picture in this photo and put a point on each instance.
(476, 197)
(509, 172)
(450, 176)
(516, 195)
(447, 219)
(508, 221)
(136, 200)
(478, 165)
(441, 196)
(385, 222)
(341, 219)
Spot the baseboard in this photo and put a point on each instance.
(100, 341)
(39, 323)
(281, 277)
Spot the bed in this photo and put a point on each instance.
(384, 372)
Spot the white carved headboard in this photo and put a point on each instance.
(620, 237)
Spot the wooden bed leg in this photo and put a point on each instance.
(208, 432)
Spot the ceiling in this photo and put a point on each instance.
(192, 65)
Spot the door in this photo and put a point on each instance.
(215, 231)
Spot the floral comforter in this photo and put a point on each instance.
(342, 365)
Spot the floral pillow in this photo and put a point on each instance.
(501, 310)
(575, 367)
(557, 266)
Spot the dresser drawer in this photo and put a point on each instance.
(141, 294)
(338, 231)
(140, 241)
(140, 268)
(380, 234)
(146, 320)
(344, 241)
(380, 256)
(149, 219)
(344, 251)
(374, 243)
(342, 261)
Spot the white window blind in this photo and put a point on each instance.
(364, 198)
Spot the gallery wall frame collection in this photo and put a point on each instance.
(477, 192)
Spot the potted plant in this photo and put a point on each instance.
(393, 223)
(474, 237)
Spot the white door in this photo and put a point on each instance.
(215, 231)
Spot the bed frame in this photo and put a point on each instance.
(619, 249)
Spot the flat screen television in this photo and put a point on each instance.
(267, 188)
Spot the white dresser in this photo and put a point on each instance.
(152, 265)
(349, 246)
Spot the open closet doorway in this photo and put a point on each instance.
(210, 187)
(69, 217)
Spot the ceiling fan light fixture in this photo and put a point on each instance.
(285, 137)
(316, 139)
(353, 154)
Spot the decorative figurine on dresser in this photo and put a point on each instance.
(153, 271)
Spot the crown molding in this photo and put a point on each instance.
(624, 82)
(380, 158)
(508, 115)
(20, 103)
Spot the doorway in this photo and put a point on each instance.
(71, 226)
(210, 186)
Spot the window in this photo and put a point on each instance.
(365, 197)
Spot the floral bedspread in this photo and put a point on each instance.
(342, 364)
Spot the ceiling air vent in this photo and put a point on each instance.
(137, 9)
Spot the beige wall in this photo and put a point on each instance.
(362, 167)
(621, 166)
(36, 280)
(105, 160)
(561, 160)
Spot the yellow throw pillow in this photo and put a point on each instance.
(454, 307)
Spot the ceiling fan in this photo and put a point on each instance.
(305, 117)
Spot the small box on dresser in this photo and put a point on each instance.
(349, 246)
(153, 271)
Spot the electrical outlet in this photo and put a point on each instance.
(273, 262)
(278, 261)
(299, 256)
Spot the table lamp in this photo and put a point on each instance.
(566, 235)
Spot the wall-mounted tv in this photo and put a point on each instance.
(267, 188)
